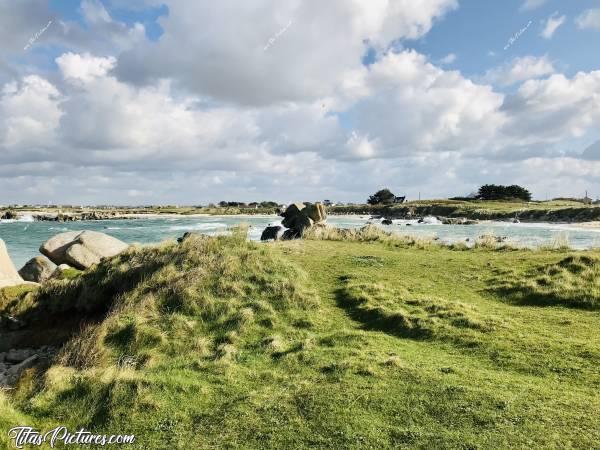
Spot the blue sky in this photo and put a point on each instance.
(479, 27)
(172, 101)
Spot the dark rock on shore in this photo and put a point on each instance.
(272, 233)
(299, 217)
(9, 215)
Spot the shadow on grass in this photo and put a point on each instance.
(377, 318)
(573, 282)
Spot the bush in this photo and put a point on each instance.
(499, 192)
(383, 196)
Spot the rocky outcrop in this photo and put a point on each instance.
(37, 269)
(457, 221)
(77, 216)
(9, 215)
(81, 249)
(8, 273)
(15, 361)
(272, 233)
(299, 217)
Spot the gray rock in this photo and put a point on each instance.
(16, 356)
(387, 222)
(272, 233)
(81, 249)
(37, 269)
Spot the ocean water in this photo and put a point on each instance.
(24, 237)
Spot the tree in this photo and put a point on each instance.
(499, 192)
(383, 196)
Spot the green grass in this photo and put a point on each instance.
(339, 343)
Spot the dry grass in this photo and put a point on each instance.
(368, 233)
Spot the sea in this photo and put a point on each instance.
(24, 237)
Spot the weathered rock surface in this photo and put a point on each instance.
(15, 361)
(81, 249)
(8, 273)
(37, 269)
(272, 233)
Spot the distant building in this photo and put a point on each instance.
(398, 200)
(327, 203)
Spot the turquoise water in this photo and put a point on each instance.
(23, 238)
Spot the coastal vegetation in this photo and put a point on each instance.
(384, 204)
(361, 339)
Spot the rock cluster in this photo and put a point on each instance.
(74, 217)
(9, 215)
(15, 361)
(81, 249)
(297, 218)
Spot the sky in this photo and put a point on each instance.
(176, 102)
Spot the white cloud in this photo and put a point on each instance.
(413, 106)
(84, 68)
(552, 24)
(589, 19)
(203, 41)
(29, 117)
(520, 69)
(529, 5)
(554, 109)
(206, 114)
(448, 59)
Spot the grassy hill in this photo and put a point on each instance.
(354, 341)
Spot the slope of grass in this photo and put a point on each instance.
(224, 343)
(574, 281)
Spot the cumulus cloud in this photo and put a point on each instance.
(553, 109)
(520, 69)
(589, 19)
(552, 24)
(29, 117)
(203, 41)
(205, 113)
(413, 106)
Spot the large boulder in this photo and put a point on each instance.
(299, 217)
(81, 249)
(8, 273)
(272, 233)
(316, 212)
(291, 213)
(37, 269)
